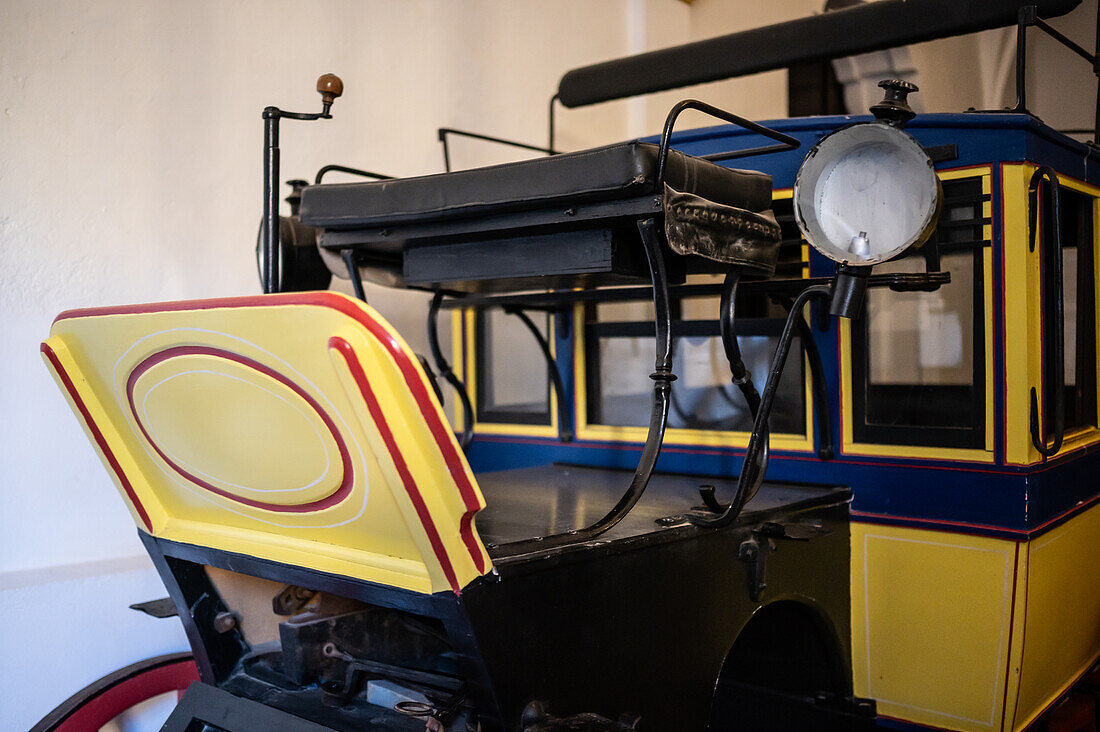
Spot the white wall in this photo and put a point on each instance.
(130, 170)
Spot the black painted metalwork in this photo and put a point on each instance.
(662, 377)
(741, 376)
(786, 142)
(1059, 360)
(348, 255)
(565, 424)
(826, 449)
(896, 281)
(350, 171)
(749, 481)
(1028, 16)
(448, 373)
(836, 34)
(550, 116)
(329, 87)
(445, 131)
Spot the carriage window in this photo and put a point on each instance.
(918, 358)
(1078, 296)
(513, 382)
(619, 342)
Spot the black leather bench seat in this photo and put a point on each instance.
(619, 171)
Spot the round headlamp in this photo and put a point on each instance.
(866, 194)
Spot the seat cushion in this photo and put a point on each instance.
(607, 173)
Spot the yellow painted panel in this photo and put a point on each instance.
(931, 615)
(297, 428)
(1062, 628)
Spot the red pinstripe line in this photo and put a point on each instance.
(348, 472)
(348, 353)
(413, 380)
(100, 440)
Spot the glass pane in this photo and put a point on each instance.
(1078, 298)
(513, 379)
(920, 349)
(703, 397)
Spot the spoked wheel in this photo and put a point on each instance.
(101, 701)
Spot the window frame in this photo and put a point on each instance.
(976, 443)
(734, 440)
(1079, 437)
(467, 353)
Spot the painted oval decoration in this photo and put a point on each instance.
(239, 429)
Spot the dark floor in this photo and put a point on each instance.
(549, 499)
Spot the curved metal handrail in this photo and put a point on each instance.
(1059, 365)
(448, 373)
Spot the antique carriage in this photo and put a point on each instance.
(598, 547)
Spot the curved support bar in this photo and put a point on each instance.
(1059, 362)
(350, 171)
(448, 373)
(565, 424)
(741, 376)
(348, 255)
(748, 482)
(658, 419)
(786, 142)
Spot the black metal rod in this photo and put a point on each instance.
(348, 255)
(550, 116)
(822, 37)
(924, 281)
(445, 131)
(820, 390)
(271, 200)
(742, 378)
(1058, 36)
(351, 171)
(448, 373)
(1059, 365)
(748, 481)
(786, 141)
(1025, 16)
(662, 386)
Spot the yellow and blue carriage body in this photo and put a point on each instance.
(974, 600)
(247, 436)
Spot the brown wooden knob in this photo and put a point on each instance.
(329, 87)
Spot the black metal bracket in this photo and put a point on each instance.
(202, 704)
(565, 424)
(329, 86)
(350, 171)
(662, 377)
(1027, 17)
(444, 132)
(162, 608)
(1059, 364)
(448, 373)
(348, 255)
(748, 480)
(786, 142)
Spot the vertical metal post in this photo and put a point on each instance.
(271, 200)
(1024, 18)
